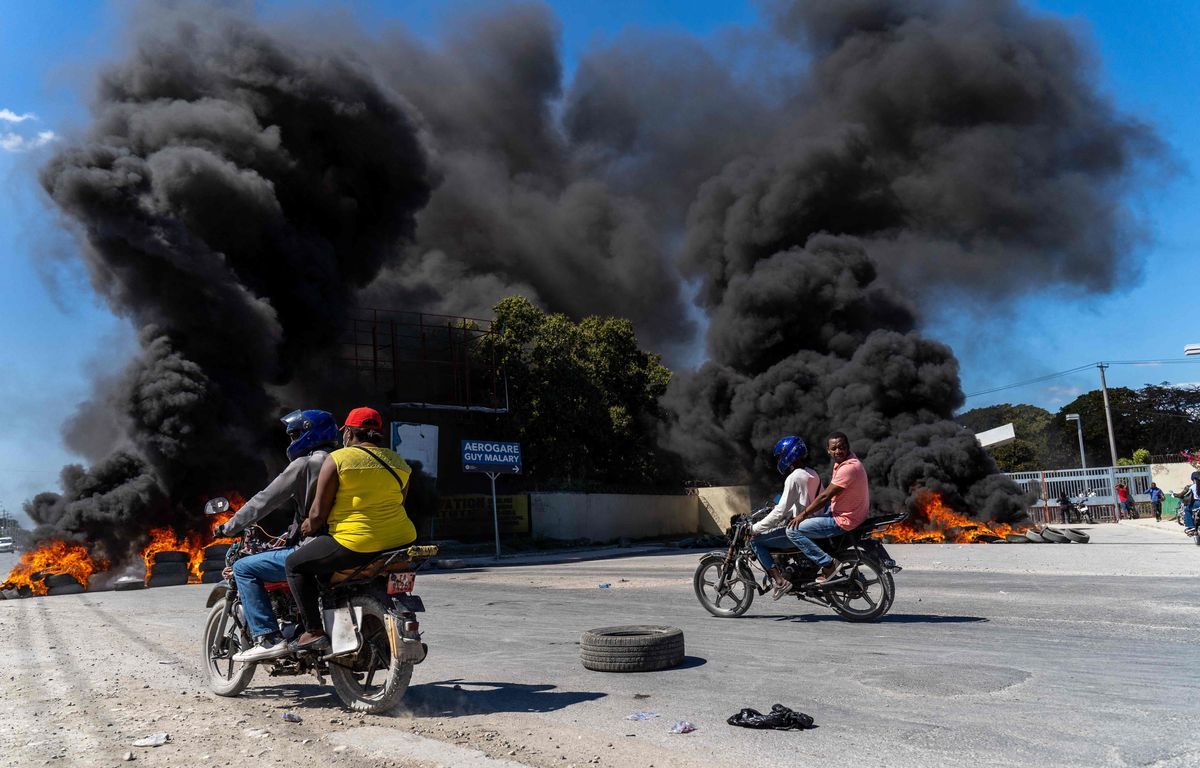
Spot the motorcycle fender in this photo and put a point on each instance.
(217, 594)
(409, 603)
(342, 626)
(408, 649)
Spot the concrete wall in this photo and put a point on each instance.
(719, 504)
(1172, 477)
(608, 516)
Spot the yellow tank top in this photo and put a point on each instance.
(368, 511)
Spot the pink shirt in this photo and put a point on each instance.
(850, 507)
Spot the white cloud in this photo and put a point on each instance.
(13, 142)
(8, 116)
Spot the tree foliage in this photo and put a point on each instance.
(1155, 420)
(583, 398)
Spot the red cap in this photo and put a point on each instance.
(364, 417)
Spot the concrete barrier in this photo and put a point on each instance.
(609, 516)
(720, 503)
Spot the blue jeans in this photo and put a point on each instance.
(817, 527)
(251, 573)
(764, 542)
(1189, 514)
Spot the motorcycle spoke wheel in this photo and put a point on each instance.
(733, 600)
(371, 680)
(225, 676)
(865, 596)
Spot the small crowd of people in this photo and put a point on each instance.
(348, 506)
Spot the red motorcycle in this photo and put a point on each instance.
(370, 617)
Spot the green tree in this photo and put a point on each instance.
(583, 397)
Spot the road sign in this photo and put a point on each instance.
(491, 457)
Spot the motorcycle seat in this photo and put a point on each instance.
(390, 561)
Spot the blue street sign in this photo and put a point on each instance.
(491, 457)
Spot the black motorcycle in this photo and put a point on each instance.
(863, 589)
(370, 617)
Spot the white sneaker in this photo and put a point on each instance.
(265, 649)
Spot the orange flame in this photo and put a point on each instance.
(935, 523)
(53, 557)
(193, 543)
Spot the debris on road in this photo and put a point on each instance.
(606, 585)
(641, 716)
(153, 740)
(128, 756)
(780, 718)
(683, 726)
(292, 717)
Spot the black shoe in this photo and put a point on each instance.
(318, 643)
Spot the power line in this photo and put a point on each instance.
(1068, 372)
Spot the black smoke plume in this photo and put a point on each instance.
(939, 148)
(814, 181)
(232, 195)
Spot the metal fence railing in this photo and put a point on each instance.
(1046, 487)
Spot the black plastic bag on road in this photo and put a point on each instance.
(780, 718)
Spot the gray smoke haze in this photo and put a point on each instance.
(232, 195)
(240, 189)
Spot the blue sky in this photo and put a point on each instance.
(54, 334)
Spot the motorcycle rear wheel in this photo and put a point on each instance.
(356, 678)
(737, 590)
(225, 676)
(866, 596)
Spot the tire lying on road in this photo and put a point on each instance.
(171, 556)
(1079, 537)
(631, 648)
(60, 580)
(167, 580)
(122, 585)
(66, 589)
(1054, 537)
(1035, 537)
(1016, 538)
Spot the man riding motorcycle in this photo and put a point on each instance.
(801, 486)
(313, 434)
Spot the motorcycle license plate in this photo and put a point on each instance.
(401, 583)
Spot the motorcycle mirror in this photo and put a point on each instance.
(216, 506)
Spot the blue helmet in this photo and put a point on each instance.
(787, 451)
(309, 431)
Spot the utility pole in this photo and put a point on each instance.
(1112, 443)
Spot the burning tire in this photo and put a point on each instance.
(211, 577)
(1016, 538)
(1035, 537)
(212, 565)
(126, 584)
(169, 568)
(74, 588)
(633, 648)
(167, 580)
(216, 552)
(225, 676)
(1054, 537)
(60, 580)
(171, 556)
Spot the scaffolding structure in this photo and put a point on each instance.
(424, 360)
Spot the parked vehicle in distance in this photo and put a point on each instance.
(6, 544)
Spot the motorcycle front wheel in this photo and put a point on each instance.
(370, 680)
(727, 603)
(225, 676)
(866, 596)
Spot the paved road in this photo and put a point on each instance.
(992, 656)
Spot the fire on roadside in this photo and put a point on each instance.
(934, 523)
(52, 557)
(193, 542)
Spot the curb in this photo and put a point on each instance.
(549, 558)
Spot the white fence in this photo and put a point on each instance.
(1048, 485)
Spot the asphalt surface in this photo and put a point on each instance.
(992, 655)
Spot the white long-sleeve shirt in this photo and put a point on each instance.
(799, 489)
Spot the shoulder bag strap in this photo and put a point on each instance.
(385, 465)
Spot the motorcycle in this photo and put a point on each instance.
(1075, 510)
(369, 614)
(862, 591)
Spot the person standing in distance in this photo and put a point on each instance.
(849, 502)
(1156, 501)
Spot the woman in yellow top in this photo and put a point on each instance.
(360, 498)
